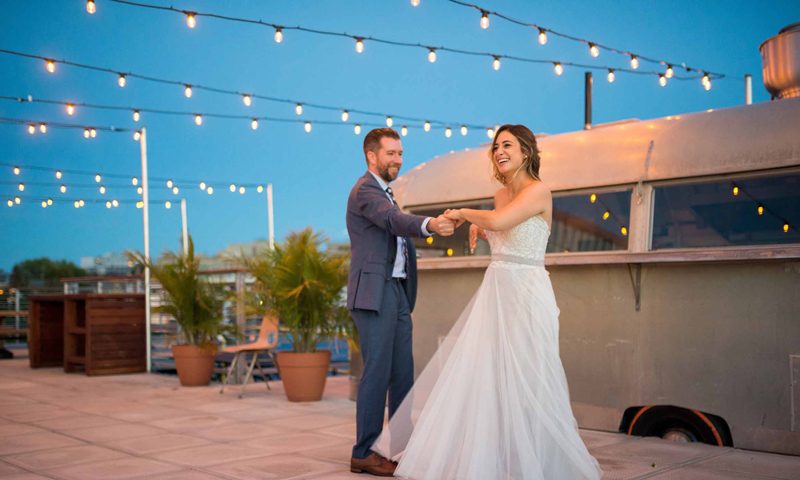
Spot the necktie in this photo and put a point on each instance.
(391, 193)
(405, 246)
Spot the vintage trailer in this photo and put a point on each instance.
(675, 259)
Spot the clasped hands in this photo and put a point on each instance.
(446, 223)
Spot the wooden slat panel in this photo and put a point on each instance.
(118, 329)
(137, 312)
(13, 313)
(117, 371)
(121, 355)
(128, 362)
(120, 347)
(112, 338)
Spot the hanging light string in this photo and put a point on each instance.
(39, 124)
(136, 111)
(761, 209)
(360, 39)
(608, 213)
(46, 202)
(543, 31)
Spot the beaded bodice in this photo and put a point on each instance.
(527, 240)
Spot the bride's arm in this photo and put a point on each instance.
(530, 202)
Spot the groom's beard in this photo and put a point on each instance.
(386, 175)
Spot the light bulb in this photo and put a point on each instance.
(31, 129)
(137, 135)
(139, 190)
(559, 69)
(448, 132)
(188, 91)
(51, 66)
(43, 128)
(662, 80)
(735, 190)
(246, 100)
(708, 86)
(254, 124)
(190, 20)
(785, 228)
(97, 178)
(278, 35)
(198, 119)
(241, 190)
(210, 190)
(760, 210)
(308, 126)
(139, 204)
(10, 203)
(260, 189)
(593, 198)
(496, 63)
(233, 188)
(63, 189)
(404, 131)
(429, 240)
(136, 115)
(17, 200)
(90, 6)
(168, 205)
(670, 72)
(449, 252)
(463, 129)
(414, 3)
(359, 46)
(175, 190)
(624, 231)
(594, 50)
(357, 129)
(298, 109)
(115, 203)
(484, 20)
(58, 173)
(44, 204)
(21, 187)
(345, 116)
(169, 183)
(121, 80)
(606, 215)
(102, 189)
(108, 204)
(432, 56)
(86, 133)
(634, 62)
(389, 121)
(202, 185)
(542, 37)
(706, 82)
(427, 126)
(70, 109)
(490, 133)
(16, 170)
(49, 201)
(611, 76)
(77, 205)
(93, 132)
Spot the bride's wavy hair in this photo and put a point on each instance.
(530, 151)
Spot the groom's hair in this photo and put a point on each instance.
(372, 142)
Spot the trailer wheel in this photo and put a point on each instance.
(677, 424)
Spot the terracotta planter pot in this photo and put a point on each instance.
(195, 364)
(304, 374)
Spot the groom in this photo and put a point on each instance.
(382, 290)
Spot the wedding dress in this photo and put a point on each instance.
(493, 402)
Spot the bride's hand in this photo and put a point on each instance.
(455, 215)
(475, 232)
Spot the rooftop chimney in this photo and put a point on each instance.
(780, 58)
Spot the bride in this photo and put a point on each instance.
(493, 402)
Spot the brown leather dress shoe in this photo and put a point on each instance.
(374, 464)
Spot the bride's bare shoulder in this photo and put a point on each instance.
(501, 198)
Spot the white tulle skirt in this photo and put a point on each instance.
(493, 402)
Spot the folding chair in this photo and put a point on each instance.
(266, 343)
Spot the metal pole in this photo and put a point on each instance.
(185, 228)
(16, 308)
(146, 214)
(587, 115)
(748, 89)
(271, 224)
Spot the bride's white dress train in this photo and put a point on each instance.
(493, 402)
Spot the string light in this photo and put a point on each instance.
(102, 189)
(404, 131)
(735, 190)
(210, 190)
(135, 181)
(168, 205)
(49, 201)
(97, 178)
(43, 128)
(77, 205)
(484, 19)
(308, 127)
(169, 183)
(202, 185)
(17, 200)
(175, 190)
(260, 188)
(624, 230)
(51, 66)
(21, 187)
(449, 252)
(594, 50)
(427, 126)
(93, 132)
(121, 80)
(31, 129)
(559, 68)
(662, 80)
(432, 56)
(190, 20)
(448, 132)
(233, 188)
(490, 133)
(359, 45)
(760, 210)
(241, 190)
(90, 6)
(70, 109)
(16, 170)
(785, 228)
(634, 62)
(10, 203)
(414, 3)
(254, 124)
(86, 133)
(606, 215)
(496, 63)
(542, 37)
(611, 76)
(463, 129)
(706, 81)
(389, 121)
(137, 135)
(198, 119)
(115, 203)
(246, 100)
(670, 72)
(44, 204)
(136, 115)
(58, 173)
(108, 204)
(593, 198)
(278, 35)
(298, 109)
(429, 240)
(357, 129)
(63, 189)
(345, 116)
(139, 190)
(188, 91)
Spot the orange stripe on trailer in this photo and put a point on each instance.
(639, 414)
(713, 428)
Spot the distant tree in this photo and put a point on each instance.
(43, 272)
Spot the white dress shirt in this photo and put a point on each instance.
(400, 260)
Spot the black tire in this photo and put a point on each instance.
(661, 420)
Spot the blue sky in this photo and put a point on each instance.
(313, 172)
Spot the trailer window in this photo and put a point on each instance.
(756, 211)
(590, 222)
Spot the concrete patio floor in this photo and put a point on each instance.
(69, 426)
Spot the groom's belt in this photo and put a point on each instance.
(515, 259)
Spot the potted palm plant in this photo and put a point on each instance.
(302, 285)
(196, 305)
